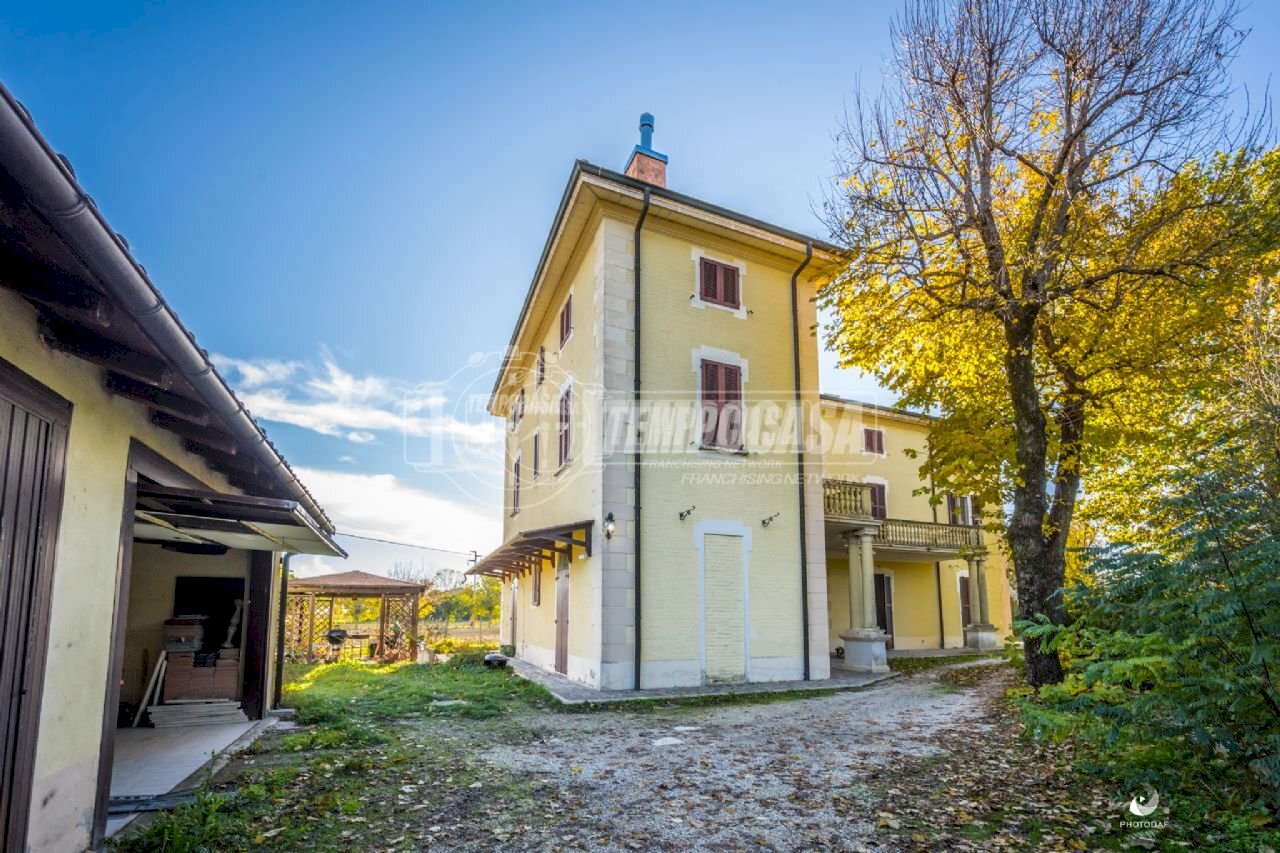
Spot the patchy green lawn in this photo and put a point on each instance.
(360, 762)
(458, 757)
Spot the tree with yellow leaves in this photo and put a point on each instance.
(1049, 225)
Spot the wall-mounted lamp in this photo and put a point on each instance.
(685, 513)
(609, 526)
(765, 522)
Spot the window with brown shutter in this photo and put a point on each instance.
(718, 283)
(879, 500)
(873, 441)
(537, 454)
(974, 517)
(517, 411)
(542, 364)
(721, 405)
(566, 320)
(954, 515)
(537, 585)
(515, 486)
(565, 433)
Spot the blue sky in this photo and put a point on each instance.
(346, 201)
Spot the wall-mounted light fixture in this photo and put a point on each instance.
(685, 513)
(765, 522)
(609, 526)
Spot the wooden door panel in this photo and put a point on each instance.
(32, 452)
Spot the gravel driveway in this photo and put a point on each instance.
(785, 775)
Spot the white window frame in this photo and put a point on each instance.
(875, 480)
(572, 322)
(696, 299)
(883, 442)
(723, 356)
(567, 385)
(537, 455)
(517, 463)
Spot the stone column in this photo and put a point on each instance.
(975, 600)
(980, 634)
(985, 613)
(864, 642)
(868, 580)
(854, 545)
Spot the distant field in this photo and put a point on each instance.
(462, 630)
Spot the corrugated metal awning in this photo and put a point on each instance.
(529, 548)
(198, 518)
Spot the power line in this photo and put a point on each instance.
(406, 544)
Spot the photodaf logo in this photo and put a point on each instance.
(1142, 806)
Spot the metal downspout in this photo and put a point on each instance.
(795, 361)
(644, 211)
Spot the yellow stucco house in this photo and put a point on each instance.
(135, 489)
(683, 506)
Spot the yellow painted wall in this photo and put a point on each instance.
(761, 335)
(559, 494)
(85, 573)
(906, 448)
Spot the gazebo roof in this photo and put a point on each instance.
(354, 583)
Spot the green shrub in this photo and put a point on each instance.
(1172, 656)
(466, 657)
(450, 645)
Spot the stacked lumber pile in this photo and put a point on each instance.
(184, 633)
(202, 676)
(195, 713)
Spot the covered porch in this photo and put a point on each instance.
(900, 583)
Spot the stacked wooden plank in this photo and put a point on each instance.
(195, 713)
(184, 633)
(198, 676)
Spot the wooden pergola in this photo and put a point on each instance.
(309, 617)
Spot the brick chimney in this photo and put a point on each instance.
(646, 164)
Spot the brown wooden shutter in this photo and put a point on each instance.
(537, 462)
(565, 433)
(542, 364)
(566, 320)
(731, 406)
(879, 502)
(707, 275)
(951, 509)
(729, 285)
(515, 486)
(711, 402)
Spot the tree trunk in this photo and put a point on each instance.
(1039, 568)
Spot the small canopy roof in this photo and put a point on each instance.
(188, 517)
(528, 548)
(353, 583)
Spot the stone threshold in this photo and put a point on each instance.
(568, 692)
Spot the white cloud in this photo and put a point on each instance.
(256, 373)
(386, 507)
(330, 400)
(349, 460)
